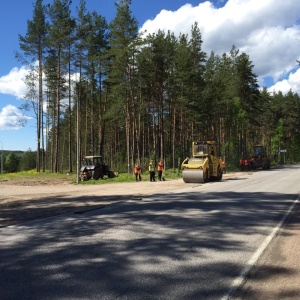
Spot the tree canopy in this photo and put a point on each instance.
(138, 97)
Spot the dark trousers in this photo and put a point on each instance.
(138, 177)
(159, 174)
(152, 175)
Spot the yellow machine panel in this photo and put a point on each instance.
(204, 165)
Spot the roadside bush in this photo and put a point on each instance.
(28, 161)
(12, 163)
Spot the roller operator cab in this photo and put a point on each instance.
(204, 165)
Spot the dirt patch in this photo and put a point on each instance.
(35, 182)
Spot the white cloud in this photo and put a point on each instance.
(11, 118)
(13, 82)
(291, 83)
(266, 30)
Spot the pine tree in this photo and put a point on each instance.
(60, 32)
(33, 46)
(123, 44)
(12, 162)
(27, 161)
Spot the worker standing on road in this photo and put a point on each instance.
(160, 169)
(223, 165)
(251, 160)
(151, 171)
(241, 164)
(246, 165)
(137, 172)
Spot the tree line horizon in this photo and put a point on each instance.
(139, 97)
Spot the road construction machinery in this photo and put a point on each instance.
(204, 165)
(259, 158)
(93, 167)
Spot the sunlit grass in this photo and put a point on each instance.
(47, 177)
(125, 177)
(32, 175)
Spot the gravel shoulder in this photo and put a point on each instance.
(22, 203)
(277, 273)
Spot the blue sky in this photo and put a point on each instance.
(268, 31)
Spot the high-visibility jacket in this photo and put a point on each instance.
(160, 166)
(151, 167)
(137, 169)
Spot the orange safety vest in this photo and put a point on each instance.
(160, 166)
(137, 169)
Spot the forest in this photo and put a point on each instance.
(100, 88)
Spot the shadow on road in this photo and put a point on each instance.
(152, 248)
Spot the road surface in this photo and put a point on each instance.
(195, 241)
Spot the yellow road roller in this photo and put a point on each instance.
(204, 165)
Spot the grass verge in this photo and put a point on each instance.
(47, 178)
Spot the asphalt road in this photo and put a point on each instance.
(195, 242)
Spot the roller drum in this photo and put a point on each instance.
(193, 176)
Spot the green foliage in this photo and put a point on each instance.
(12, 162)
(147, 96)
(28, 161)
(125, 177)
(32, 177)
(277, 138)
(48, 177)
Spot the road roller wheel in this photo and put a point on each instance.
(193, 176)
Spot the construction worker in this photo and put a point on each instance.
(241, 164)
(223, 165)
(246, 165)
(251, 164)
(151, 171)
(160, 169)
(137, 172)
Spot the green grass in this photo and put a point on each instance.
(125, 177)
(32, 176)
(47, 177)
